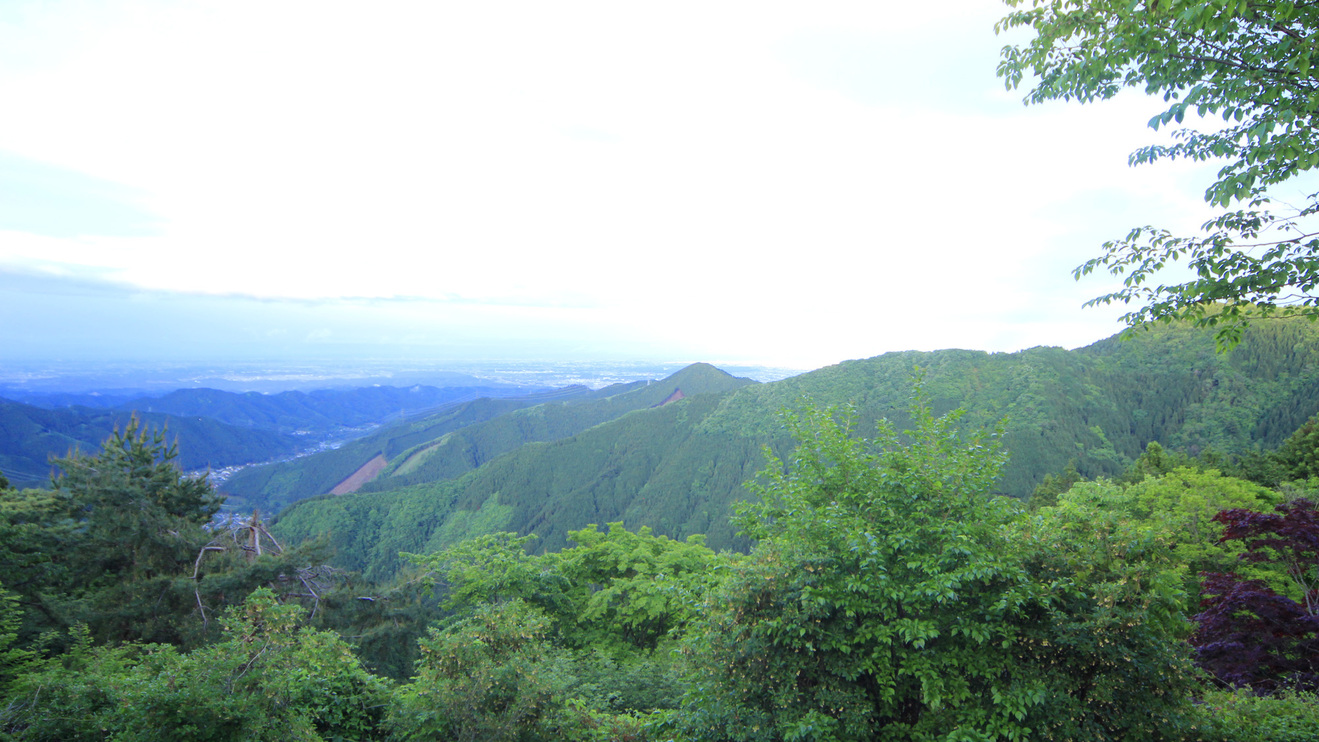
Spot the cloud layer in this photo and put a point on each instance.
(786, 185)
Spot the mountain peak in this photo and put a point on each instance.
(705, 373)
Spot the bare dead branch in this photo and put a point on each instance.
(197, 565)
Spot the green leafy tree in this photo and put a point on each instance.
(616, 603)
(1176, 510)
(109, 544)
(1046, 493)
(1249, 63)
(138, 516)
(1240, 715)
(1157, 461)
(886, 601)
(1109, 642)
(1299, 454)
(384, 621)
(13, 658)
(617, 589)
(635, 589)
(35, 532)
(267, 680)
(494, 675)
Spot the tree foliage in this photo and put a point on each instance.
(1298, 457)
(1239, 715)
(1110, 643)
(1249, 62)
(1177, 510)
(529, 632)
(1248, 633)
(267, 680)
(125, 544)
(886, 600)
(493, 675)
(126, 526)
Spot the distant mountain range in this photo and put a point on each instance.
(30, 436)
(678, 467)
(674, 454)
(214, 428)
(318, 412)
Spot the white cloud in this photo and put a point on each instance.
(658, 172)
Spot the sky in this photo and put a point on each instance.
(787, 184)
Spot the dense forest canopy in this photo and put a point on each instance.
(889, 594)
(679, 468)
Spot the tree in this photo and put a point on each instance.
(267, 680)
(886, 599)
(1048, 490)
(494, 675)
(1177, 509)
(137, 510)
(1288, 538)
(1108, 642)
(1250, 62)
(126, 544)
(1248, 633)
(613, 607)
(137, 527)
(618, 589)
(1299, 454)
(13, 659)
(1156, 462)
(632, 590)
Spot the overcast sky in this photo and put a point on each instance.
(789, 184)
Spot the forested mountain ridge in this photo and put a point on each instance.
(678, 468)
(273, 486)
(449, 444)
(461, 451)
(648, 467)
(216, 428)
(30, 435)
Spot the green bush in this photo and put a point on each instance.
(891, 597)
(269, 680)
(492, 677)
(1241, 716)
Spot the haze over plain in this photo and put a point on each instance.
(732, 182)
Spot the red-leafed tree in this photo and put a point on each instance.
(1248, 633)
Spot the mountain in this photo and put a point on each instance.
(461, 438)
(679, 467)
(271, 487)
(30, 436)
(462, 450)
(318, 412)
(56, 400)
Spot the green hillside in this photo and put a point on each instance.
(29, 436)
(449, 444)
(459, 452)
(273, 486)
(677, 468)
